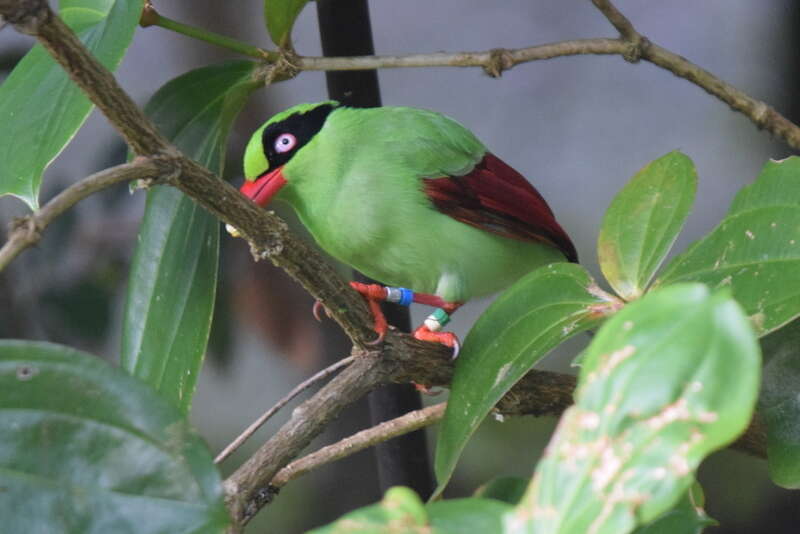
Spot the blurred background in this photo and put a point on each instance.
(577, 127)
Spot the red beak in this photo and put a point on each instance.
(262, 189)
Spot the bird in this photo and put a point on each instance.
(409, 197)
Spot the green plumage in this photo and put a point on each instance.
(357, 186)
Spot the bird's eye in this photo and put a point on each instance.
(285, 142)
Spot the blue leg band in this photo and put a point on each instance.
(399, 295)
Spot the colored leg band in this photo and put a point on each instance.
(437, 320)
(399, 295)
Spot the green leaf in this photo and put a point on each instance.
(280, 16)
(401, 508)
(506, 489)
(533, 316)
(467, 516)
(779, 404)
(755, 250)
(88, 449)
(172, 284)
(41, 108)
(401, 511)
(667, 380)
(642, 222)
(687, 517)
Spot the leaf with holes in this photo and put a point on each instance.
(280, 16)
(755, 250)
(529, 319)
(642, 222)
(173, 278)
(779, 404)
(87, 448)
(41, 108)
(666, 381)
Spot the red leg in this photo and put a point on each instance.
(374, 294)
(436, 302)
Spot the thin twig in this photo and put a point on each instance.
(26, 231)
(258, 423)
(632, 46)
(617, 19)
(151, 17)
(494, 62)
(359, 441)
(751, 442)
(248, 490)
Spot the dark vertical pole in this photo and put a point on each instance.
(345, 30)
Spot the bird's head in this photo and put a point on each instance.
(275, 143)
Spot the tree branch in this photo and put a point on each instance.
(258, 423)
(247, 490)
(640, 47)
(27, 231)
(617, 19)
(494, 61)
(359, 441)
(632, 46)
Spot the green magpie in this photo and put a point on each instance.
(410, 198)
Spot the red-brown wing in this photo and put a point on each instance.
(496, 198)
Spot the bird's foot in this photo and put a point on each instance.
(448, 339)
(374, 295)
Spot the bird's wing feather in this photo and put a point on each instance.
(496, 198)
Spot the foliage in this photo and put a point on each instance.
(105, 453)
(173, 278)
(671, 375)
(41, 109)
(666, 381)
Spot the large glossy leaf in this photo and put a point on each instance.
(280, 16)
(687, 517)
(667, 380)
(755, 250)
(88, 449)
(779, 404)
(173, 278)
(642, 222)
(537, 313)
(402, 511)
(40, 107)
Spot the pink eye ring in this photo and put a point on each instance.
(284, 143)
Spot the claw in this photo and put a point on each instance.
(315, 310)
(378, 340)
(456, 348)
(425, 390)
(447, 339)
